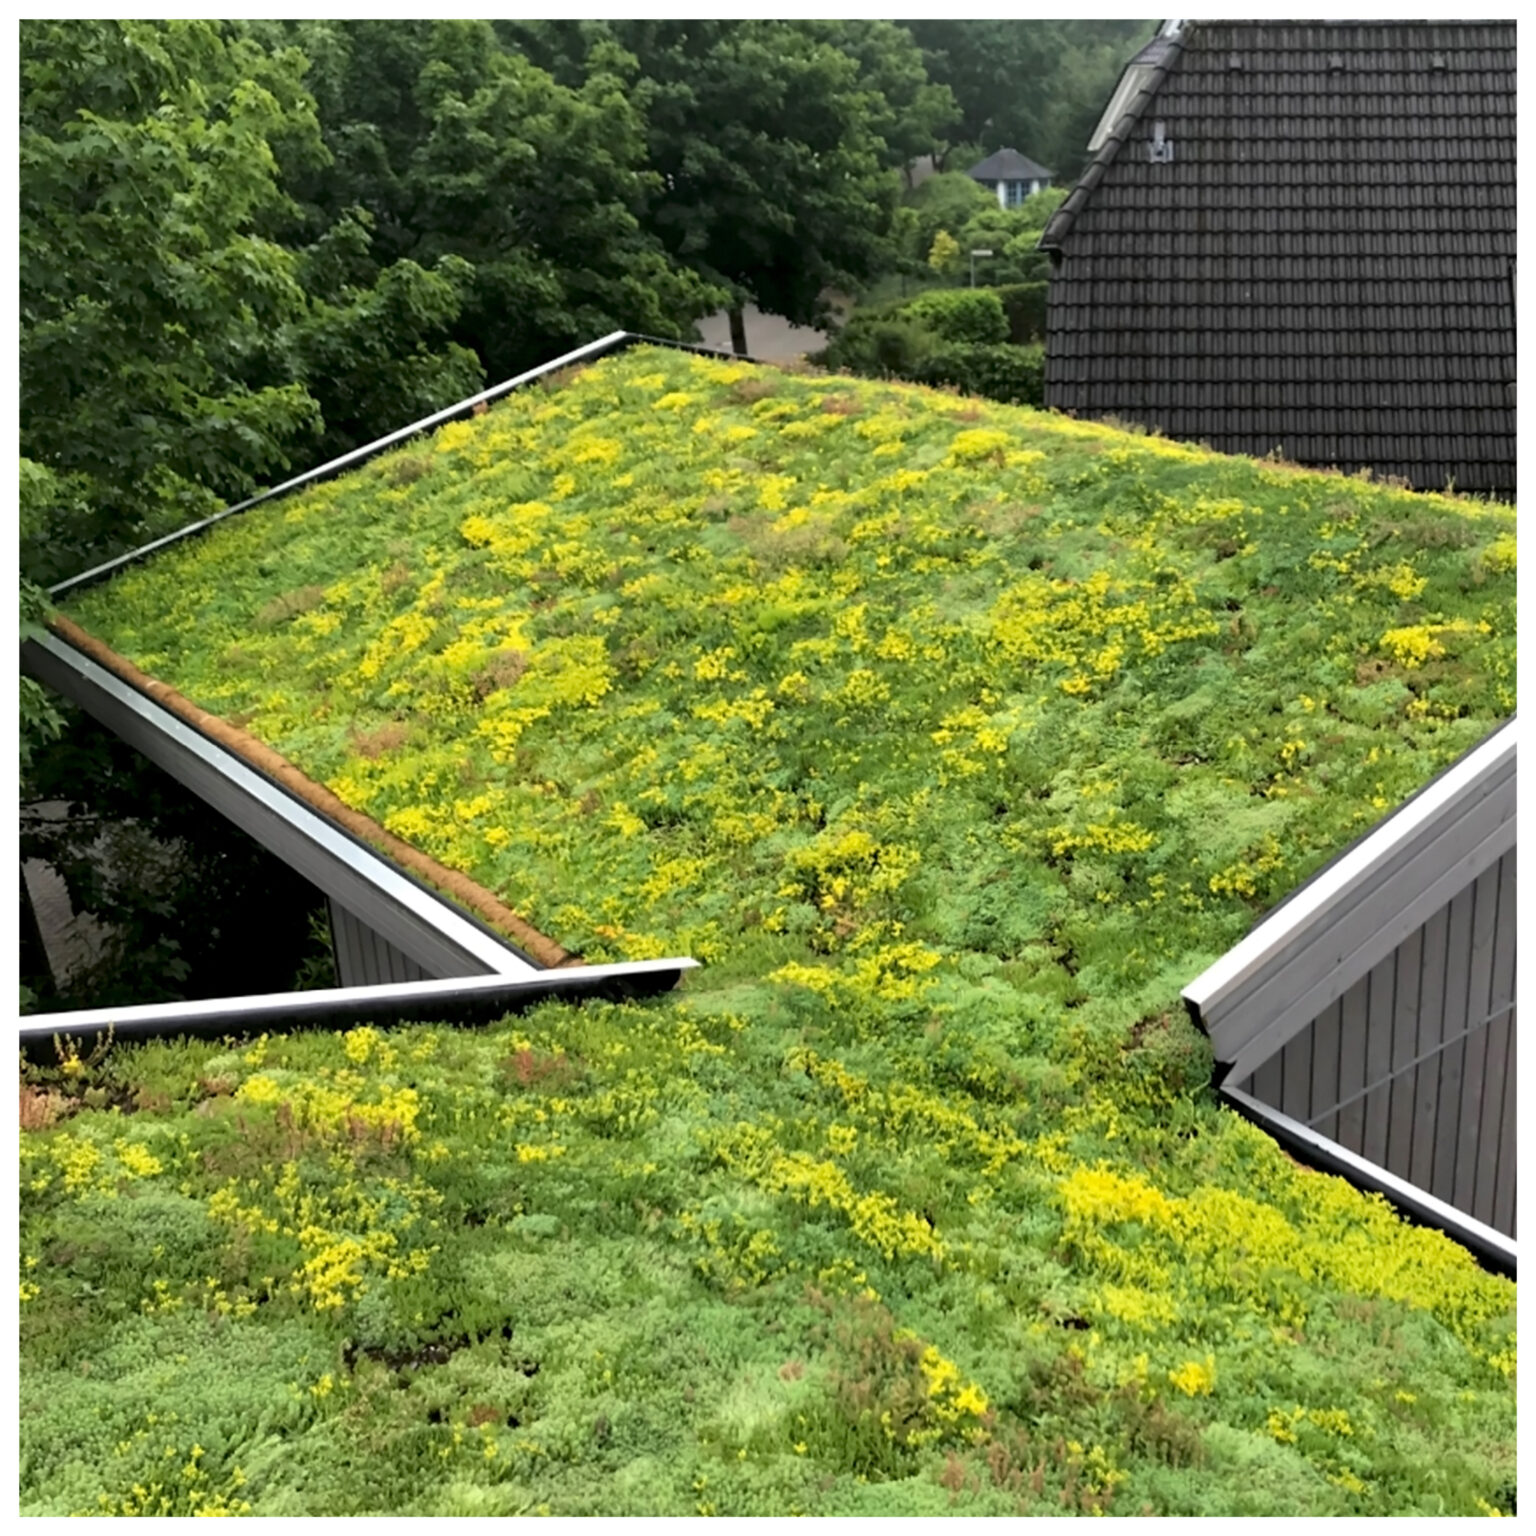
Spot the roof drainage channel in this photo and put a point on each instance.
(417, 921)
(458, 1000)
(615, 341)
(1492, 1248)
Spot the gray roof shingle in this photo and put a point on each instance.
(1008, 165)
(1324, 262)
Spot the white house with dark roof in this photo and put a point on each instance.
(1010, 176)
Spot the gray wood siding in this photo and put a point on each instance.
(1333, 931)
(1413, 1067)
(364, 959)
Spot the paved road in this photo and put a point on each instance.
(769, 337)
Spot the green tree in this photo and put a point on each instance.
(157, 312)
(944, 254)
(459, 149)
(374, 345)
(1038, 86)
(1013, 235)
(947, 202)
(913, 114)
(773, 181)
(148, 282)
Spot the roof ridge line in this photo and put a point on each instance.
(1061, 222)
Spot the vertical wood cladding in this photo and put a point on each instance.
(363, 958)
(1324, 266)
(1413, 1067)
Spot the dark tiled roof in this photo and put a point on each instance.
(1325, 263)
(1008, 165)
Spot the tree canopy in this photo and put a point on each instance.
(1037, 86)
(149, 283)
(248, 247)
(774, 173)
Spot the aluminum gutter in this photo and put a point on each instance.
(457, 1000)
(1237, 1002)
(415, 919)
(614, 341)
(1493, 1248)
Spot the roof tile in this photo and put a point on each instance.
(1337, 239)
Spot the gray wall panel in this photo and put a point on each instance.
(365, 959)
(1266, 1082)
(1325, 1070)
(1382, 1008)
(1504, 1188)
(1452, 1060)
(1324, 968)
(344, 938)
(1352, 1026)
(1426, 1076)
(1296, 1068)
(1474, 1076)
(1305, 969)
(1369, 1072)
(1409, 962)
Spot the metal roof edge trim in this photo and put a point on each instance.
(1489, 1245)
(1061, 222)
(1343, 876)
(614, 341)
(452, 1000)
(332, 843)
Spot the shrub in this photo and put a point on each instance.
(1024, 306)
(880, 346)
(960, 315)
(1000, 372)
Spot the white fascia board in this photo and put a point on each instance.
(1486, 1241)
(237, 1015)
(1339, 881)
(1131, 81)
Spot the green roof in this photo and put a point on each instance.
(955, 738)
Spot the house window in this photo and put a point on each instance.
(1017, 192)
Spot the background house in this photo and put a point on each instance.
(1300, 237)
(1010, 176)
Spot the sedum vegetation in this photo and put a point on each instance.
(955, 738)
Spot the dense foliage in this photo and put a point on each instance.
(250, 247)
(981, 341)
(1035, 86)
(955, 739)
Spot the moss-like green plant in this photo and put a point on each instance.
(956, 739)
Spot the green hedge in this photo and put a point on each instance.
(972, 315)
(1002, 371)
(958, 337)
(1024, 306)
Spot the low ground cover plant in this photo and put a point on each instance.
(955, 739)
